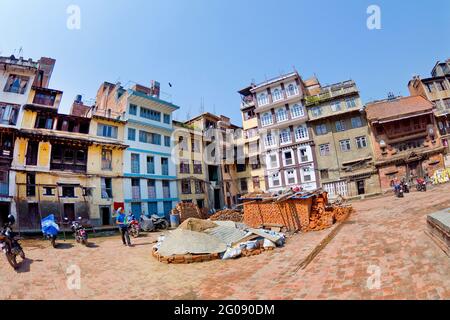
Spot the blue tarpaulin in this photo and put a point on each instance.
(49, 225)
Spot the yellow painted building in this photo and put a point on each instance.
(66, 165)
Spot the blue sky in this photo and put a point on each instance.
(209, 49)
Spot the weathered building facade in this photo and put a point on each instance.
(405, 139)
(343, 150)
(437, 90)
(287, 147)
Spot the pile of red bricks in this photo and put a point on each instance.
(188, 210)
(227, 215)
(310, 214)
(185, 258)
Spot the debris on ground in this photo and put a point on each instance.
(295, 210)
(228, 215)
(223, 240)
(188, 210)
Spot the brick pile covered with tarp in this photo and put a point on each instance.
(197, 240)
(296, 211)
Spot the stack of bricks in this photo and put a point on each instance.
(185, 258)
(320, 218)
(293, 214)
(187, 210)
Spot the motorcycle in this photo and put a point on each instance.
(79, 231)
(405, 186)
(421, 185)
(134, 227)
(50, 229)
(9, 244)
(399, 191)
(153, 223)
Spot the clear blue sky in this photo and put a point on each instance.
(210, 49)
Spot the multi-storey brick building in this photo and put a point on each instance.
(405, 138)
(341, 135)
(437, 90)
(287, 147)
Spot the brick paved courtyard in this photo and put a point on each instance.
(385, 232)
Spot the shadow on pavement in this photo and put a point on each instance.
(64, 246)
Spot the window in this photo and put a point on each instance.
(164, 166)
(133, 109)
(167, 118)
(336, 106)
(430, 87)
(345, 145)
(316, 111)
(266, 119)
(321, 129)
(262, 99)
(303, 155)
(104, 130)
(16, 84)
(135, 167)
(8, 113)
(340, 125)
(290, 177)
(198, 187)
(446, 103)
(32, 153)
(68, 192)
(307, 174)
(273, 161)
(361, 142)
(195, 144)
(186, 186)
(277, 95)
(166, 189)
(107, 188)
(292, 90)
(150, 114)
(351, 103)
(356, 122)
(288, 160)
(281, 115)
(184, 166)
(441, 86)
(269, 141)
(301, 133)
(275, 177)
(106, 159)
(285, 136)
(147, 137)
(135, 188)
(131, 134)
(43, 122)
(166, 141)
(324, 174)
(151, 187)
(152, 208)
(31, 184)
(68, 158)
(48, 191)
(197, 166)
(324, 149)
(44, 98)
(297, 111)
(150, 165)
(256, 183)
(244, 186)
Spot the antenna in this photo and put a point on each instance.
(202, 106)
(20, 51)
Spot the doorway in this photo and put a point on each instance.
(69, 211)
(105, 214)
(217, 199)
(136, 210)
(4, 212)
(360, 187)
(414, 170)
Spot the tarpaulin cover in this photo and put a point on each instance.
(49, 225)
(181, 241)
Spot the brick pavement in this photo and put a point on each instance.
(386, 232)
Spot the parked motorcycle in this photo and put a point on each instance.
(134, 228)
(9, 244)
(405, 186)
(153, 223)
(50, 229)
(399, 191)
(421, 185)
(79, 231)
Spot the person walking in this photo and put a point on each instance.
(121, 221)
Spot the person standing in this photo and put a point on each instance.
(121, 221)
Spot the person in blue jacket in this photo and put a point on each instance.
(121, 221)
